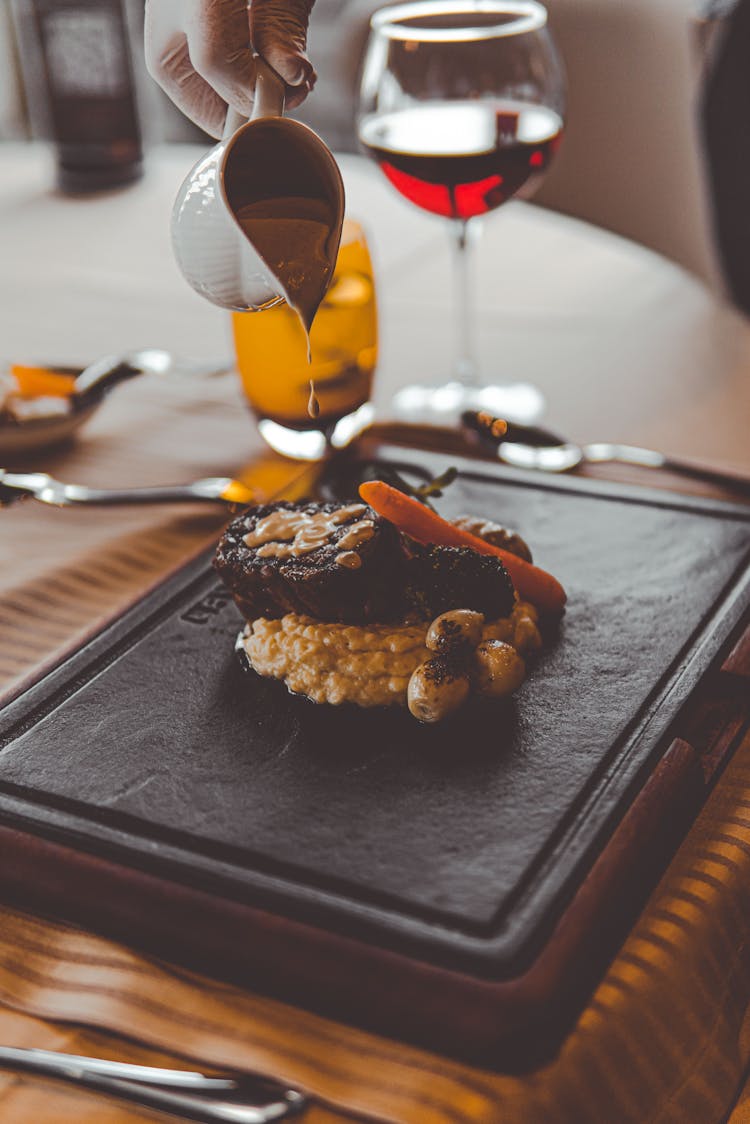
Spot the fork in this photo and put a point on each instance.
(215, 489)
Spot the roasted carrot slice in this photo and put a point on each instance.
(426, 526)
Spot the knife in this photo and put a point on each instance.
(218, 1099)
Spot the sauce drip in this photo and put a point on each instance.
(313, 405)
(357, 534)
(349, 559)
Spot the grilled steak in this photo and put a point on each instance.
(350, 574)
(344, 563)
(439, 578)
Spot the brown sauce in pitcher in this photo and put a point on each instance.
(293, 236)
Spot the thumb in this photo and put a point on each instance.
(278, 30)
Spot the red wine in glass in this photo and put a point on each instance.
(462, 105)
(461, 159)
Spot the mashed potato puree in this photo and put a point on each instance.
(368, 665)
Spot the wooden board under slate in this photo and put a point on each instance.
(458, 886)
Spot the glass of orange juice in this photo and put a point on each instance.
(305, 407)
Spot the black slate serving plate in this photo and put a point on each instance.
(449, 853)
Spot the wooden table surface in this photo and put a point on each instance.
(623, 344)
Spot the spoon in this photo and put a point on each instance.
(532, 447)
(40, 486)
(266, 158)
(90, 387)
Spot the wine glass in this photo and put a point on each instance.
(461, 106)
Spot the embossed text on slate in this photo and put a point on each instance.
(213, 602)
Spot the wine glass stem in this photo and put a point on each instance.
(465, 368)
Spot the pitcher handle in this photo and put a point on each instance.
(269, 98)
(234, 121)
(269, 91)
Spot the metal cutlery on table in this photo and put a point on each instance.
(39, 486)
(213, 1099)
(521, 446)
(529, 446)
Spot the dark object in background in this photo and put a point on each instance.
(725, 112)
(78, 74)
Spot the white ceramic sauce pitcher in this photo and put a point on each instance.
(213, 252)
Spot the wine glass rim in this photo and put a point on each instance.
(530, 16)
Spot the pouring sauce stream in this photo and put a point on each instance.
(284, 190)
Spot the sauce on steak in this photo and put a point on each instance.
(345, 563)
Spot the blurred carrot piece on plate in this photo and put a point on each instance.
(42, 382)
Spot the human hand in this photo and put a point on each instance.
(201, 52)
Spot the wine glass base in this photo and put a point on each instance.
(443, 405)
(314, 444)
